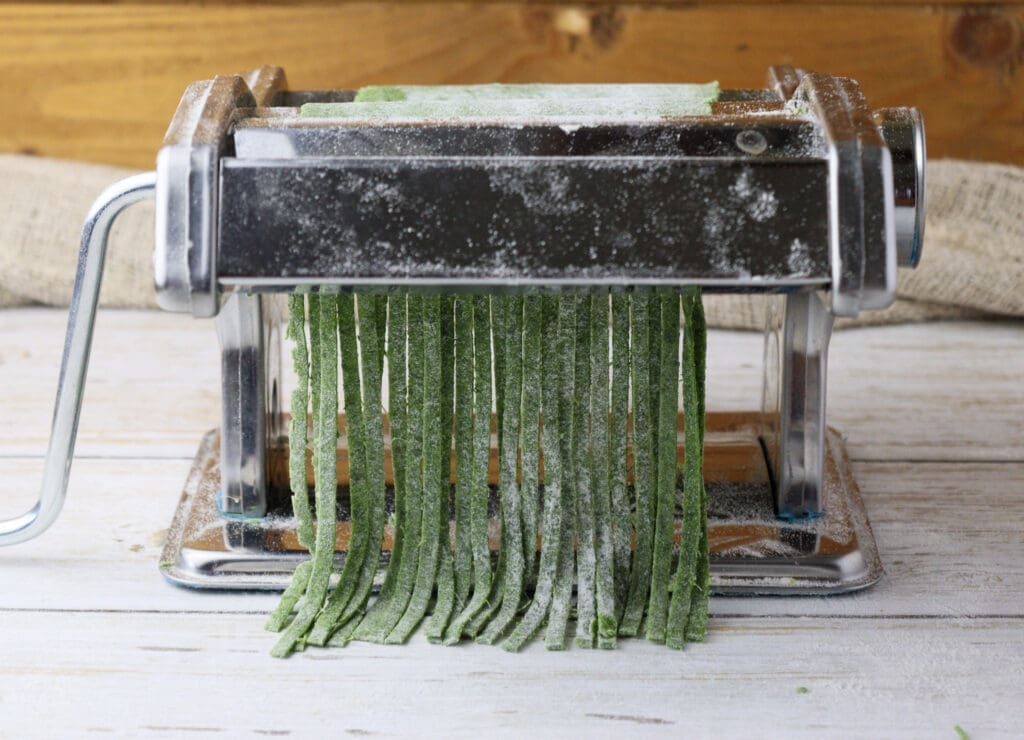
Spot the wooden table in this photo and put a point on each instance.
(92, 640)
(109, 100)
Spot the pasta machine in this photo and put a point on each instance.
(800, 191)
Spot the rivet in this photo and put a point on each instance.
(751, 141)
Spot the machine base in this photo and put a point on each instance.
(752, 550)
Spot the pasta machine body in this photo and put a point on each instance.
(799, 191)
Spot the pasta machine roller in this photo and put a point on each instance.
(799, 190)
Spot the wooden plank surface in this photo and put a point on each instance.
(909, 393)
(93, 641)
(100, 81)
(153, 386)
(734, 3)
(145, 675)
(949, 535)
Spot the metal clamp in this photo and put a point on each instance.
(185, 250)
(75, 362)
(861, 209)
(188, 187)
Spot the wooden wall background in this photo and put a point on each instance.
(99, 81)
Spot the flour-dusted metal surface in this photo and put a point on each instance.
(752, 550)
(492, 221)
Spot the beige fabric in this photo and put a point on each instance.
(973, 262)
(43, 203)
(9, 299)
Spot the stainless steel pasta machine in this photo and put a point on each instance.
(799, 190)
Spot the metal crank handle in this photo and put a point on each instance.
(75, 362)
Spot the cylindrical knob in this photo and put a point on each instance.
(903, 131)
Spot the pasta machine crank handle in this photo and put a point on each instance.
(75, 361)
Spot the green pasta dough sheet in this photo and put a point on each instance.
(519, 103)
(585, 510)
(537, 91)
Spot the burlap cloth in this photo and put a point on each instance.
(973, 264)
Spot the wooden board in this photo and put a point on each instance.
(100, 81)
(653, 3)
(141, 360)
(908, 393)
(947, 547)
(199, 675)
(94, 642)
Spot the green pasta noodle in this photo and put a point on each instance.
(415, 448)
(387, 588)
(643, 472)
(370, 626)
(530, 486)
(511, 522)
(371, 307)
(697, 621)
(492, 603)
(429, 550)
(618, 435)
(463, 449)
(299, 425)
(325, 475)
(406, 413)
(586, 558)
(286, 606)
(344, 635)
(553, 510)
(516, 102)
(359, 466)
(445, 602)
(497, 333)
(693, 487)
(668, 406)
(297, 433)
(480, 543)
(558, 615)
(497, 340)
(504, 331)
(483, 400)
(654, 367)
(314, 367)
(604, 574)
(397, 331)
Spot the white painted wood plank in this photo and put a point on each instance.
(949, 536)
(948, 391)
(153, 385)
(198, 675)
(104, 550)
(943, 391)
